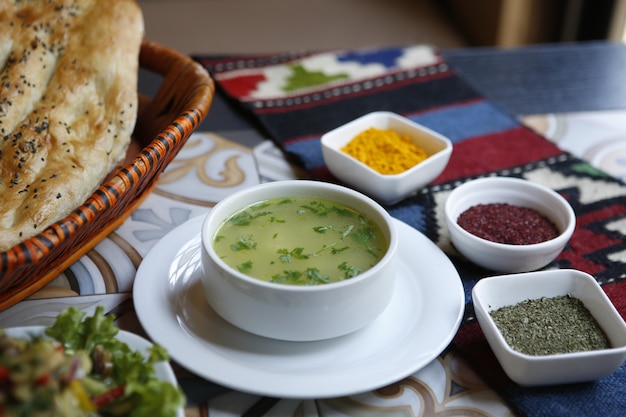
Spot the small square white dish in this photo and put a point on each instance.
(387, 189)
(492, 293)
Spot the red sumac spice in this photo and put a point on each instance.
(507, 223)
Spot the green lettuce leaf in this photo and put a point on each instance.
(77, 332)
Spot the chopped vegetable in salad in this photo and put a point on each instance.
(80, 369)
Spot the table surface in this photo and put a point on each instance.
(540, 81)
(560, 78)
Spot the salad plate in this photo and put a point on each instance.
(419, 323)
(163, 370)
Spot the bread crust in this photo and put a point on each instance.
(68, 105)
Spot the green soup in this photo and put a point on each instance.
(300, 241)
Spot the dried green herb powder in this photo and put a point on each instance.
(550, 325)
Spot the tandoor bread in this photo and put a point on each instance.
(68, 105)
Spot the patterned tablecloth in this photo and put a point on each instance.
(213, 165)
(209, 167)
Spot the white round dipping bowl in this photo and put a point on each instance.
(503, 257)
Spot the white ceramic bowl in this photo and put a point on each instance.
(388, 189)
(508, 257)
(289, 312)
(495, 292)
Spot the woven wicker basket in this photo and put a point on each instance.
(164, 123)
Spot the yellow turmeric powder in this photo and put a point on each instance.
(385, 151)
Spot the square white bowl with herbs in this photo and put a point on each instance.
(550, 327)
(387, 188)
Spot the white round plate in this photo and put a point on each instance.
(421, 320)
(162, 370)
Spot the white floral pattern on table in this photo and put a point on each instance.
(597, 137)
(445, 387)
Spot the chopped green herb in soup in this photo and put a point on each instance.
(300, 241)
